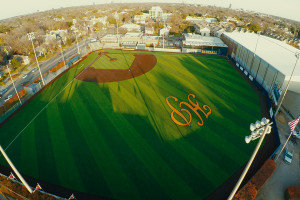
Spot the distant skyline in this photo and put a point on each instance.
(287, 9)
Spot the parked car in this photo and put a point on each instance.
(3, 91)
(34, 70)
(296, 134)
(8, 98)
(288, 156)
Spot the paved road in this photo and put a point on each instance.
(45, 66)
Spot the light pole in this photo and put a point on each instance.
(259, 130)
(13, 84)
(31, 37)
(288, 84)
(58, 37)
(75, 33)
(15, 170)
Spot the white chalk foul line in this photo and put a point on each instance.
(40, 112)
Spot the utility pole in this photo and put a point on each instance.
(164, 35)
(288, 84)
(31, 37)
(13, 84)
(75, 33)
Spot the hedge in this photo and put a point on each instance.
(292, 193)
(254, 185)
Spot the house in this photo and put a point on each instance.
(205, 32)
(51, 36)
(131, 27)
(164, 31)
(39, 51)
(155, 12)
(149, 30)
(141, 19)
(211, 20)
(194, 19)
(23, 59)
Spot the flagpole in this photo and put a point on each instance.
(285, 143)
(15, 170)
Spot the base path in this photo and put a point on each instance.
(142, 64)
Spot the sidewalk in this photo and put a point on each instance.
(285, 174)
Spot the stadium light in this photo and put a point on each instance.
(15, 170)
(258, 130)
(31, 37)
(59, 38)
(13, 83)
(75, 33)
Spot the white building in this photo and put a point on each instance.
(131, 27)
(211, 20)
(191, 39)
(141, 19)
(164, 31)
(270, 62)
(23, 59)
(149, 30)
(155, 12)
(194, 19)
(205, 32)
(51, 36)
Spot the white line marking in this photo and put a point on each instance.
(40, 112)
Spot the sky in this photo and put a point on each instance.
(284, 8)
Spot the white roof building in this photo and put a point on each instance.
(205, 32)
(211, 20)
(194, 19)
(276, 53)
(164, 31)
(191, 39)
(131, 27)
(273, 62)
(155, 12)
(141, 19)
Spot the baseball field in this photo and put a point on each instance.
(136, 125)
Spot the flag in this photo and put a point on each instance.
(38, 187)
(71, 197)
(11, 176)
(294, 123)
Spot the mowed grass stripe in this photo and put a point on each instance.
(44, 148)
(134, 168)
(92, 180)
(112, 170)
(163, 174)
(68, 171)
(29, 152)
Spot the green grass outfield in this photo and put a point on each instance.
(117, 140)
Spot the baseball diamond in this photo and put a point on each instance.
(137, 127)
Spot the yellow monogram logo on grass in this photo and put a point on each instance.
(191, 105)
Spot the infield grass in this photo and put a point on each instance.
(117, 140)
